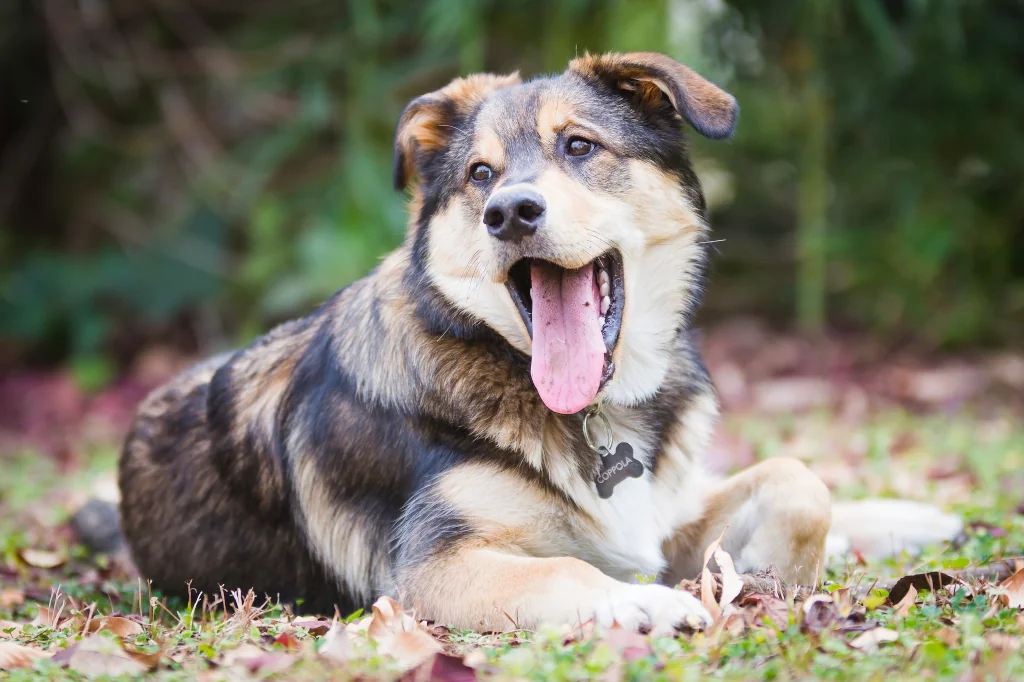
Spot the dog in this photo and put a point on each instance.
(443, 429)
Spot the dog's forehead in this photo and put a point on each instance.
(527, 111)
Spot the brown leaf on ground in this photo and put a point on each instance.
(47, 618)
(41, 558)
(843, 600)
(475, 658)
(288, 641)
(907, 603)
(819, 613)
(6, 625)
(269, 663)
(1012, 591)
(241, 653)
(11, 597)
(707, 579)
(14, 656)
(442, 668)
(96, 655)
(1001, 641)
(731, 583)
(766, 607)
(336, 645)
(931, 581)
(122, 627)
(313, 626)
(398, 634)
(948, 636)
(410, 648)
(873, 638)
(149, 660)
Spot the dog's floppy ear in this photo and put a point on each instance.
(426, 125)
(652, 76)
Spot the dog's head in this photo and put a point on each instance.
(564, 214)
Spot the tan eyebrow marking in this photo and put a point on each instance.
(489, 148)
(556, 116)
(552, 118)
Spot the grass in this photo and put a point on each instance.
(970, 464)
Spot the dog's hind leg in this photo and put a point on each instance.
(877, 528)
(778, 514)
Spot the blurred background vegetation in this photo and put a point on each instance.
(188, 172)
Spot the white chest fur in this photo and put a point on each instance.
(642, 513)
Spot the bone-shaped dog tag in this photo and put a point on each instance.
(616, 468)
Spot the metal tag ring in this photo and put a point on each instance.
(607, 427)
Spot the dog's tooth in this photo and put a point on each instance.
(606, 303)
(605, 289)
(602, 277)
(601, 320)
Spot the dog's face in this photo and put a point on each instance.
(563, 212)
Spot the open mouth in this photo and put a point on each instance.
(574, 318)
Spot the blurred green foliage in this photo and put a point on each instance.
(198, 169)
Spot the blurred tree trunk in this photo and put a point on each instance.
(813, 183)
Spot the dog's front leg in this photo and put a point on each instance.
(496, 589)
(484, 548)
(778, 514)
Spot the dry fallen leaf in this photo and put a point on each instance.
(96, 655)
(122, 627)
(40, 558)
(819, 613)
(149, 660)
(872, 638)
(767, 607)
(475, 658)
(920, 581)
(907, 603)
(948, 636)
(843, 599)
(734, 624)
(336, 645)
(731, 583)
(14, 656)
(6, 625)
(396, 633)
(1012, 591)
(11, 597)
(707, 581)
(409, 648)
(313, 626)
(1000, 641)
(241, 654)
(46, 618)
(442, 668)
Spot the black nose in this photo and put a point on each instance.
(514, 213)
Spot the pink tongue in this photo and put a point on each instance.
(568, 349)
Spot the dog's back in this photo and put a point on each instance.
(188, 523)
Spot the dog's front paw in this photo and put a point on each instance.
(657, 609)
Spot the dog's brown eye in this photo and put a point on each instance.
(577, 146)
(480, 172)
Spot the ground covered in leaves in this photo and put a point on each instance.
(949, 432)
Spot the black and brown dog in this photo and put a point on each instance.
(421, 433)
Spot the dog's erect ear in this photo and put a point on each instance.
(426, 125)
(652, 76)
